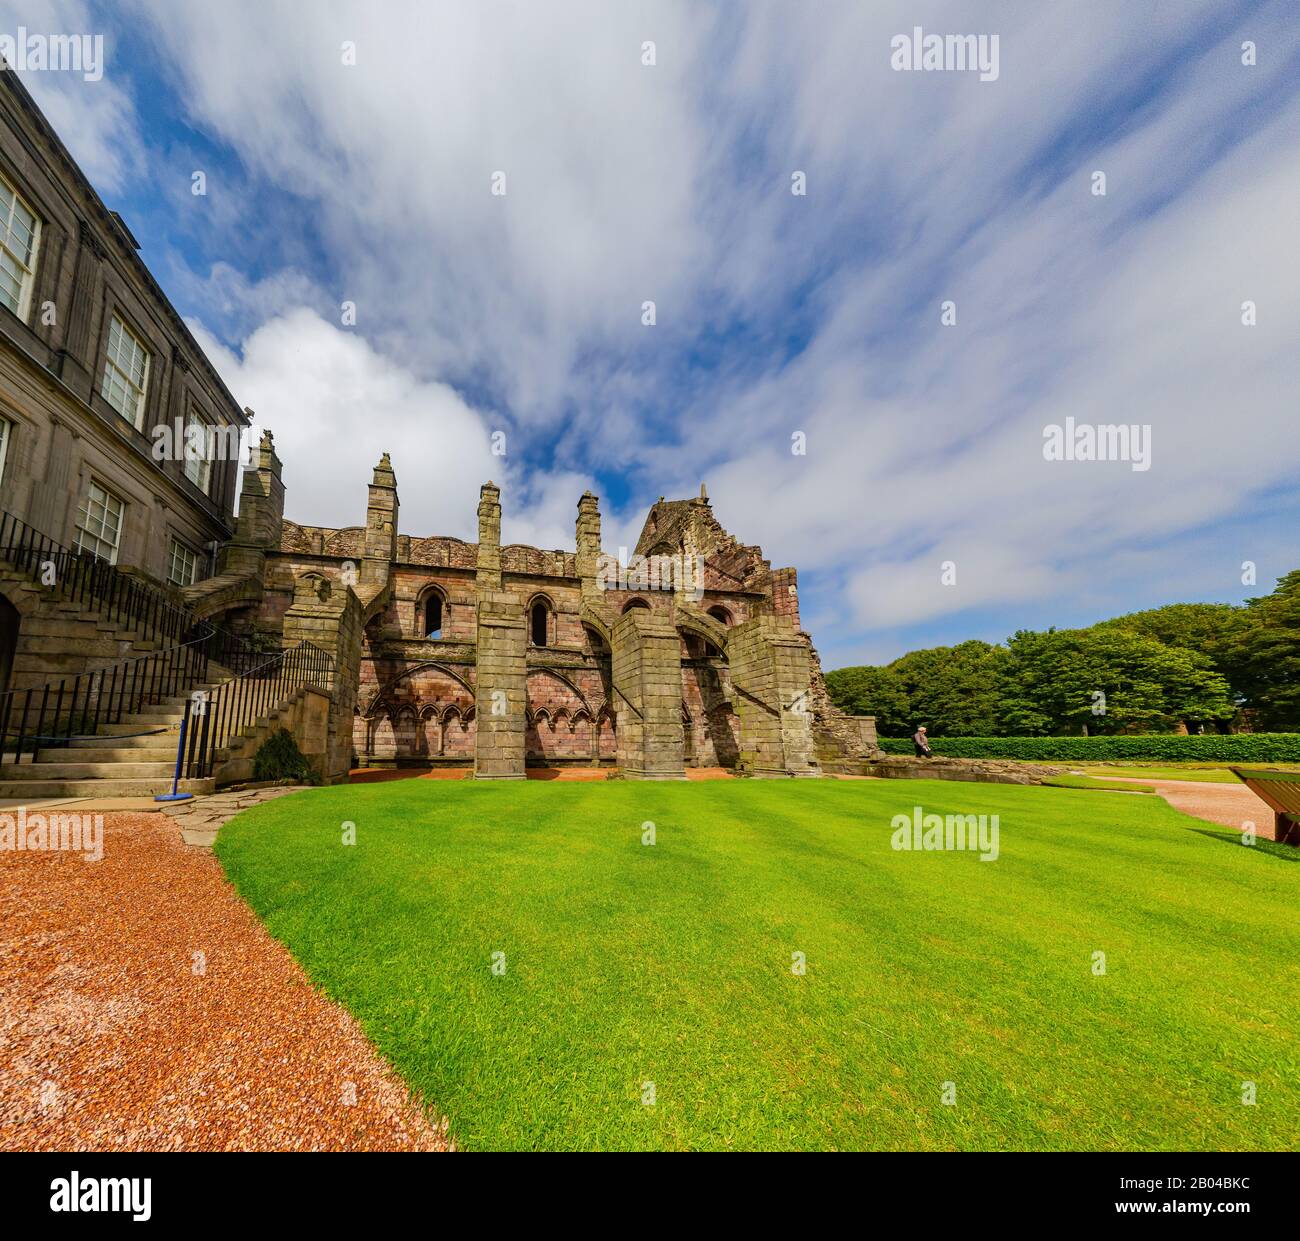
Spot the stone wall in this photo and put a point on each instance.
(647, 679)
(770, 668)
(305, 713)
(331, 618)
(501, 696)
(738, 687)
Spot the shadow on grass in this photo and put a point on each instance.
(1271, 848)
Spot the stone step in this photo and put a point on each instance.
(164, 741)
(59, 616)
(106, 648)
(39, 790)
(150, 752)
(46, 622)
(152, 719)
(23, 585)
(149, 731)
(98, 771)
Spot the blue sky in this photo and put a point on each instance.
(777, 314)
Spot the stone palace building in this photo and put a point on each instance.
(477, 655)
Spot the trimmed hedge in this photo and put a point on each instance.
(1232, 748)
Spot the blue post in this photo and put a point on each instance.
(180, 753)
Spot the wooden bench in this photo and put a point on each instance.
(1281, 791)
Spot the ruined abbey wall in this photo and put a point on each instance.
(498, 658)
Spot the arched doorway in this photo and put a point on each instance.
(9, 622)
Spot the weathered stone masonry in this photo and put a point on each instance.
(503, 658)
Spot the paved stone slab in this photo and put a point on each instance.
(201, 818)
(89, 805)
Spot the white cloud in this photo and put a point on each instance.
(671, 183)
(95, 120)
(335, 405)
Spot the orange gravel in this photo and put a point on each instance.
(144, 1007)
(382, 775)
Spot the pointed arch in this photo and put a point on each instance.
(432, 612)
(707, 627)
(722, 615)
(564, 680)
(595, 621)
(407, 673)
(541, 620)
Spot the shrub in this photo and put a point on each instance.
(1231, 748)
(279, 758)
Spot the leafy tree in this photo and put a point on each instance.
(1268, 655)
(869, 690)
(1108, 679)
(955, 691)
(1195, 663)
(1216, 630)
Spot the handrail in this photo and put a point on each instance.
(76, 706)
(232, 706)
(86, 578)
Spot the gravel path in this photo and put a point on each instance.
(144, 1007)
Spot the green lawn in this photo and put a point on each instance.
(1091, 782)
(1212, 773)
(671, 963)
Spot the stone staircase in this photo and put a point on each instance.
(73, 645)
(76, 637)
(135, 758)
(62, 637)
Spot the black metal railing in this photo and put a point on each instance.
(76, 706)
(92, 582)
(225, 711)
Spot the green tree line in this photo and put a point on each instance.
(1198, 664)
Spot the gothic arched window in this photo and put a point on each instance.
(434, 615)
(539, 619)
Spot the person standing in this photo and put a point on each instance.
(922, 743)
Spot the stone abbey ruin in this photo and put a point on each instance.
(501, 658)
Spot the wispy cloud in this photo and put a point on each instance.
(776, 313)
